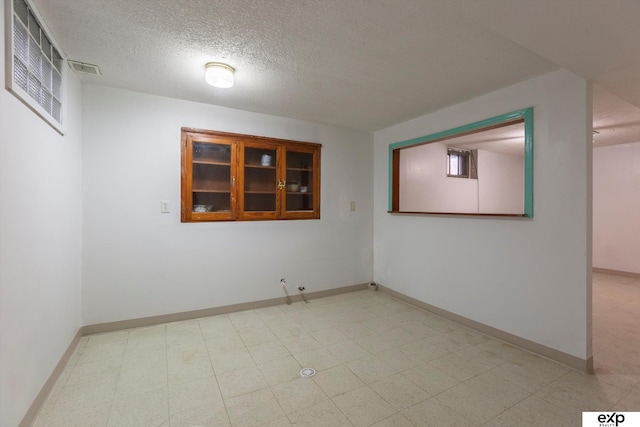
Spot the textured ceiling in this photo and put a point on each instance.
(505, 140)
(361, 64)
(615, 121)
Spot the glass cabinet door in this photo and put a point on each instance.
(301, 188)
(259, 189)
(212, 179)
(229, 177)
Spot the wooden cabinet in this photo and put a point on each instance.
(301, 172)
(229, 177)
(258, 193)
(208, 178)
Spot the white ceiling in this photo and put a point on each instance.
(505, 140)
(615, 121)
(362, 64)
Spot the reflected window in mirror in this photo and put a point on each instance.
(461, 163)
(494, 158)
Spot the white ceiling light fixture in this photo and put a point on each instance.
(218, 74)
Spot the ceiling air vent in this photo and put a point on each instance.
(81, 67)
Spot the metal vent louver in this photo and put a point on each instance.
(82, 67)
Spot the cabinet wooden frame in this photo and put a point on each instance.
(230, 177)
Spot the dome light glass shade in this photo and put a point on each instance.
(219, 75)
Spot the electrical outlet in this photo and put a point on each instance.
(164, 206)
(352, 206)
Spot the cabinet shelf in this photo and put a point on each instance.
(197, 190)
(259, 192)
(211, 162)
(259, 167)
(300, 169)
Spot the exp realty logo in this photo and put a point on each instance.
(610, 419)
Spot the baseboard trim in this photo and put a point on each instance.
(556, 355)
(616, 272)
(195, 314)
(46, 389)
(542, 350)
(32, 412)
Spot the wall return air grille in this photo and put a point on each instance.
(82, 67)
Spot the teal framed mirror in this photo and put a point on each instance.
(483, 168)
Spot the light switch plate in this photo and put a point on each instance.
(352, 206)
(164, 206)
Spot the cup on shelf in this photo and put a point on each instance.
(304, 188)
(265, 160)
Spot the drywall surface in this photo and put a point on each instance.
(139, 262)
(40, 245)
(616, 203)
(527, 277)
(501, 183)
(425, 186)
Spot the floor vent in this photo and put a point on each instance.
(81, 67)
(307, 372)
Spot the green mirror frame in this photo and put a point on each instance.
(524, 114)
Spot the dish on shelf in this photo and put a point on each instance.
(202, 208)
(293, 187)
(304, 188)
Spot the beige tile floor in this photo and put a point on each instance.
(379, 362)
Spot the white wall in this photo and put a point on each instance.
(501, 183)
(425, 187)
(530, 278)
(139, 262)
(40, 245)
(616, 203)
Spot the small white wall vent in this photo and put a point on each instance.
(81, 67)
